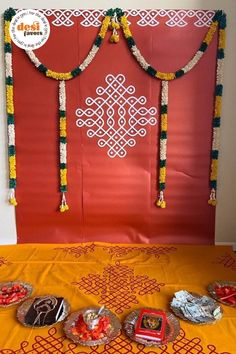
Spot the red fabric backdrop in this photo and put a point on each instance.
(112, 199)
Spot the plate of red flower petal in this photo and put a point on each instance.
(105, 326)
(223, 291)
(14, 292)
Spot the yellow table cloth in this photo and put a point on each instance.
(124, 278)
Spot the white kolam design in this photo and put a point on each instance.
(178, 18)
(175, 18)
(62, 17)
(116, 117)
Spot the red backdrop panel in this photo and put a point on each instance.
(112, 199)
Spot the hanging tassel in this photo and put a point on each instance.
(114, 37)
(64, 206)
(212, 201)
(161, 202)
(163, 144)
(12, 199)
(114, 26)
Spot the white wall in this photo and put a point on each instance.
(226, 210)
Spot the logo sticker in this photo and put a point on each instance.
(29, 29)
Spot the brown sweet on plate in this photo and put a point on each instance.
(44, 311)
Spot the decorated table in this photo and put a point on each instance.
(123, 278)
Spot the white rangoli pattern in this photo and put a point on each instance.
(116, 99)
(62, 17)
(178, 17)
(175, 18)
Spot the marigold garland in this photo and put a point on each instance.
(62, 77)
(163, 144)
(63, 145)
(217, 111)
(79, 69)
(190, 65)
(218, 22)
(10, 106)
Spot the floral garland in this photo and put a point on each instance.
(217, 112)
(219, 15)
(218, 21)
(63, 143)
(163, 143)
(62, 77)
(10, 106)
(79, 69)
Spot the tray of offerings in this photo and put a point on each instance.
(92, 326)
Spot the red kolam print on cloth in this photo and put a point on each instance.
(226, 260)
(113, 115)
(4, 261)
(118, 286)
(77, 251)
(119, 251)
(54, 343)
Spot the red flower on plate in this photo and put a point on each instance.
(226, 293)
(82, 330)
(12, 293)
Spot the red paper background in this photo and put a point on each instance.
(113, 199)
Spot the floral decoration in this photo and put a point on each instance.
(114, 20)
(218, 22)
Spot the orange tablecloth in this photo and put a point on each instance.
(124, 278)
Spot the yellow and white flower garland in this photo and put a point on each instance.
(217, 113)
(63, 143)
(10, 106)
(171, 75)
(79, 69)
(61, 77)
(163, 144)
(218, 22)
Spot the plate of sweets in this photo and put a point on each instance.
(151, 327)
(223, 291)
(14, 292)
(42, 311)
(92, 326)
(195, 308)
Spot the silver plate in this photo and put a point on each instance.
(111, 334)
(211, 289)
(27, 286)
(172, 328)
(23, 309)
(179, 313)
